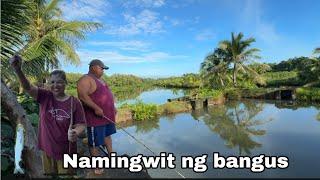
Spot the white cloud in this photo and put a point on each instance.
(205, 35)
(146, 22)
(144, 3)
(116, 57)
(84, 9)
(123, 45)
(173, 21)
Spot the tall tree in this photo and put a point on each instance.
(45, 37)
(214, 68)
(238, 49)
(49, 36)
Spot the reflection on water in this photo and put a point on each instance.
(246, 128)
(236, 124)
(155, 96)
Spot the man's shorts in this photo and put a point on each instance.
(97, 134)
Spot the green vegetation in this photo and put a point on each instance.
(142, 111)
(215, 69)
(282, 78)
(173, 107)
(308, 94)
(40, 38)
(237, 52)
(205, 92)
(229, 65)
(186, 81)
(308, 70)
(127, 86)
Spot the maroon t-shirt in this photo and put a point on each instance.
(102, 97)
(54, 123)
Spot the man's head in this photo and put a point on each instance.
(57, 82)
(96, 67)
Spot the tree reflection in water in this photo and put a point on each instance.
(144, 127)
(235, 123)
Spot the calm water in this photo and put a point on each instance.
(237, 128)
(158, 96)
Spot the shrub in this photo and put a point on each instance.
(308, 94)
(174, 107)
(203, 93)
(142, 111)
(232, 93)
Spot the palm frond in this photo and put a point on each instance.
(52, 9)
(14, 19)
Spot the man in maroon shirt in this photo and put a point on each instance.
(57, 132)
(99, 108)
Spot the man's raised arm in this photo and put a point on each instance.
(32, 90)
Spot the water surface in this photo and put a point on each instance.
(156, 96)
(238, 128)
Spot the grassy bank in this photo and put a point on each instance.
(142, 111)
(308, 94)
(282, 78)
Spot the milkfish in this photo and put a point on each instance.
(18, 149)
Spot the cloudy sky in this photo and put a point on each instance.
(160, 38)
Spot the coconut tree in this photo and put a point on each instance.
(45, 37)
(239, 51)
(14, 22)
(50, 37)
(215, 66)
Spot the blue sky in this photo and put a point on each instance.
(161, 38)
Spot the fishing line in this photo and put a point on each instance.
(139, 142)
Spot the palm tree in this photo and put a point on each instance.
(215, 66)
(49, 35)
(239, 53)
(45, 37)
(13, 25)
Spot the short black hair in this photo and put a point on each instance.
(59, 73)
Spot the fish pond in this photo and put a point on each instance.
(237, 128)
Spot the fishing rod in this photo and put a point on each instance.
(139, 142)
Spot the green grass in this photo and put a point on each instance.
(308, 94)
(142, 111)
(213, 93)
(173, 107)
(282, 78)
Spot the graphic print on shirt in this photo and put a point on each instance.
(59, 114)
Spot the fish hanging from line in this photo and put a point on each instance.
(18, 149)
